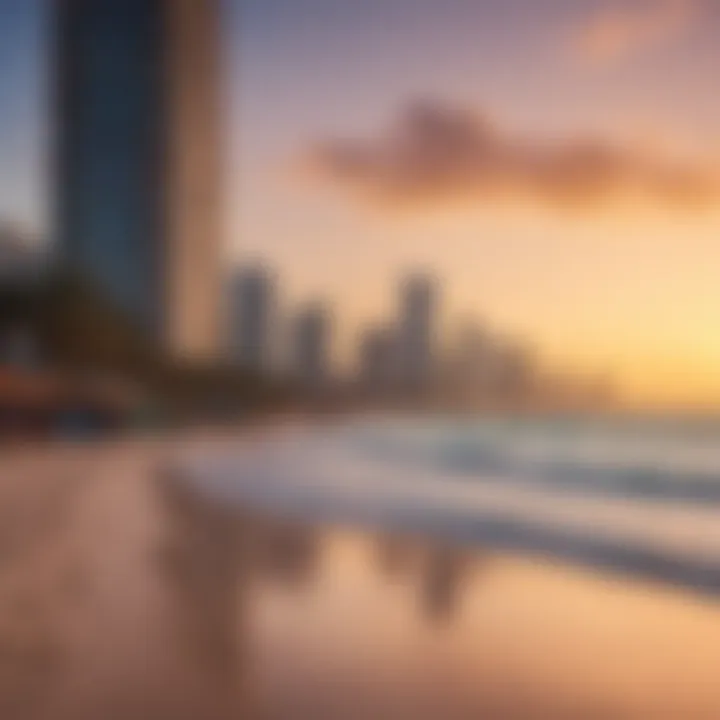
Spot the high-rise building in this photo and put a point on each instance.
(138, 160)
(251, 313)
(311, 344)
(378, 359)
(416, 331)
(516, 367)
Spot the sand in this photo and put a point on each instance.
(122, 595)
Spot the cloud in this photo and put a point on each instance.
(437, 154)
(620, 32)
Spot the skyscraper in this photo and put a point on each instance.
(251, 314)
(311, 346)
(378, 359)
(416, 332)
(138, 160)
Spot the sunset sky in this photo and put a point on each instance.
(555, 162)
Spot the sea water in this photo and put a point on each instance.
(641, 496)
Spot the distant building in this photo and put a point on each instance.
(469, 367)
(416, 331)
(311, 346)
(20, 260)
(251, 314)
(138, 160)
(378, 359)
(515, 373)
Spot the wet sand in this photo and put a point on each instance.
(124, 595)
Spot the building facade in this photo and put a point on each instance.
(138, 182)
(416, 332)
(378, 360)
(252, 320)
(311, 346)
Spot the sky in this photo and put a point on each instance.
(556, 163)
(23, 132)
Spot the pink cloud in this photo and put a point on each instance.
(621, 31)
(439, 154)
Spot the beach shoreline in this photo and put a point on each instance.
(121, 598)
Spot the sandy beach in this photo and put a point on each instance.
(123, 595)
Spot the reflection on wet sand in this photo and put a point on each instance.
(445, 574)
(286, 552)
(351, 631)
(151, 601)
(203, 569)
(435, 573)
(397, 557)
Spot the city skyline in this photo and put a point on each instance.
(401, 357)
(598, 279)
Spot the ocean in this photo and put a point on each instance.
(636, 496)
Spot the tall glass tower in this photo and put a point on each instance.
(138, 180)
